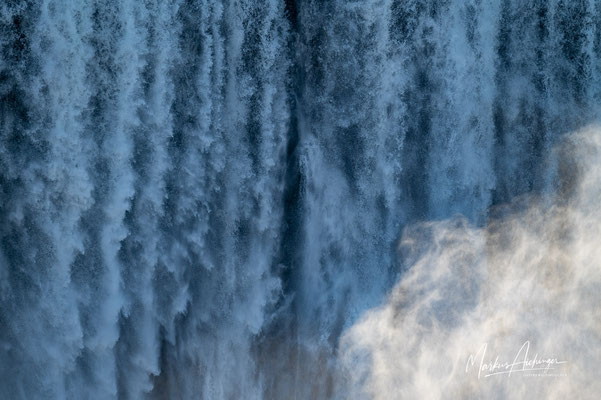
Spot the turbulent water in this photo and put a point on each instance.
(202, 199)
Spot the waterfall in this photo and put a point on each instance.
(204, 198)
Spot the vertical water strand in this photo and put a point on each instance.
(595, 49)
(139, 344)
(351, 134)
(389, 77)
(186, 261)
(231, 85)
(115, 71)
(376, 116)
(460, 174)
(543, 87)
(412, 30)
(20, 156)
(54, 190)
(521, 119)
(64, 93)
(267, 128)
(214, 287)
(571, 23)
(326, 199)
(512, 103)
(254, 117)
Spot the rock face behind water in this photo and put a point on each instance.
(198, 197)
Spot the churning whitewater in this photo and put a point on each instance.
(204, 199)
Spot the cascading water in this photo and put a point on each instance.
(201, 198)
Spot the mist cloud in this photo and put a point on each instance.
(529, 277)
